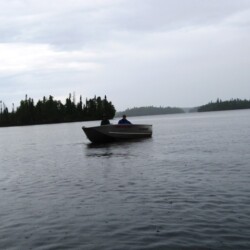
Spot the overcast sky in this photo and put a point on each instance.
(180, 53)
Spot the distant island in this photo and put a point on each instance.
(48, 111)
(220, 105)
(150, 110)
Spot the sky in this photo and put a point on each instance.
(178, 53)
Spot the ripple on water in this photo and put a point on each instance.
(186, 188)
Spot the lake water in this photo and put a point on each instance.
(187, 187)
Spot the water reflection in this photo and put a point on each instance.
(117, 143)
(96, 154)
(114, 149)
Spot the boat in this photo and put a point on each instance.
(118, 132)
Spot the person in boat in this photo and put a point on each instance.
(105, 120)
(124, 120)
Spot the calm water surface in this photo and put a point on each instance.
(188, 187)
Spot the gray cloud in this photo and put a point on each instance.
(179, 53)
(63, 25)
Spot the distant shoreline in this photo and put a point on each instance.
(151, 110)
(24, 116)
(219, 105)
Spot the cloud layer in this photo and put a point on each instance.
(137, 52)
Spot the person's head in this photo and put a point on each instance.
(124, 116)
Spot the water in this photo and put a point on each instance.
(185, 188)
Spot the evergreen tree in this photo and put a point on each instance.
(49, 110)
(225, 105)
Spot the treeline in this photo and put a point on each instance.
(220, 105)
(48, 110)
(141, 111)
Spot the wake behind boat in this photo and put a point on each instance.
(118, 132)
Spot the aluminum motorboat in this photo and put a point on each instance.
(118, 132)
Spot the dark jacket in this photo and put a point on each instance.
(105, 122)
(124, 121)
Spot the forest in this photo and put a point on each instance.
(48, 110)
(141, 111)
(220, 105)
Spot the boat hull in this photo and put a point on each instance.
(110, 133)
